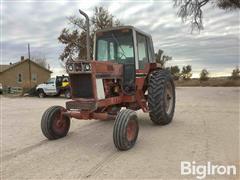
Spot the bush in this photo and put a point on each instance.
(175, 71)
(204, 75)
(235, 74)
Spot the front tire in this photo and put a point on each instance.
(125, 130)
(67, 94)
(41, 93)
(161, 97)
(52, 125)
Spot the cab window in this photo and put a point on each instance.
(51, 81)
(103, 50)
(115, 46)
(142, 50)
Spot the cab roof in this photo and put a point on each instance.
(124, 27)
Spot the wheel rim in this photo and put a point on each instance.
(169, 98)
(131, 130)
(68, 95)
(59, 125)
(41, 95)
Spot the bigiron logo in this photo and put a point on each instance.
(209, 169)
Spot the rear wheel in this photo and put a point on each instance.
(161, 97)
(53, 124)
(67, 94)
(125, 130)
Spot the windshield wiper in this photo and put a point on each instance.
(115, 38)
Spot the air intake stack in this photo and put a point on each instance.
(88, 33)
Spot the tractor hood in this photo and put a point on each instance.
(86, 77)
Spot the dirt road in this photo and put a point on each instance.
(205, 128)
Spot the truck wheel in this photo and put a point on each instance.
(58, 94)
(161, 97)
(53, 127)
(67, 94)
(41, 93)
(125, 130)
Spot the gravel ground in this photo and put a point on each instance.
(205, 128)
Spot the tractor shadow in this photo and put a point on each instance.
(96, 136)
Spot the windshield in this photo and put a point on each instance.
(116, 46)
(51, 81)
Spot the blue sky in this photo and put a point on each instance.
(40, 23)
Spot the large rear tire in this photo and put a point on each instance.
(52, 125)
(125, 130)
(161, 97)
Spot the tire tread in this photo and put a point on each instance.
(156, 90)
(46, 123)
(119, 129)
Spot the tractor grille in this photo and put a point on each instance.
(81, 85)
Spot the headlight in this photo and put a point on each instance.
(70, 67)
(87, 67)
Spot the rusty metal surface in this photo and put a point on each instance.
(88, 115)
(83, 105)
(109, 71)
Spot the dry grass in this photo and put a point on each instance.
(215, 82)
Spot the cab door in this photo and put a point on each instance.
(142, 50)
(50, 87)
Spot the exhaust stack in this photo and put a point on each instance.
(88, 33)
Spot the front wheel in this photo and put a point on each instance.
(41, 93)
(161, 97)
(125, 130)
(53, 124)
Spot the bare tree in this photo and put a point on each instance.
(103, 19)
(74, 37)
(40, 60)
(191, 10)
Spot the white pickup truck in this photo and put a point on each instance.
(55, 87)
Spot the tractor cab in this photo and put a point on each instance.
(121, 56)
(124, 45)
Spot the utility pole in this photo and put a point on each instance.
(29, 67)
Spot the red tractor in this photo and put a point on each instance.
(123, 73)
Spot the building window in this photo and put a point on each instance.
(19, 78)
(34, 77)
